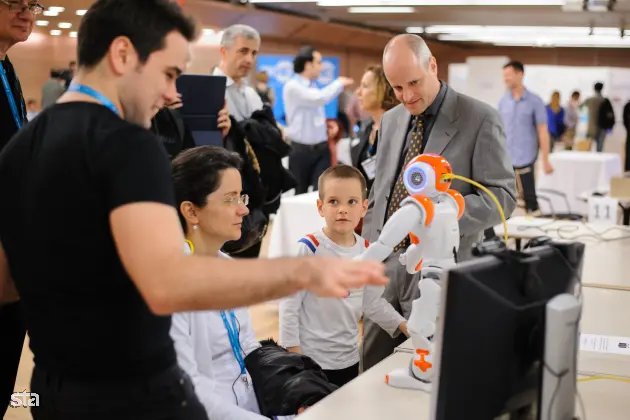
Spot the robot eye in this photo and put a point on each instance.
(415, 178)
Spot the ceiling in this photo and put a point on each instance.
(216, 15)
(538, 24)
(306, 21)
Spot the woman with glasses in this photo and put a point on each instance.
(211, 346)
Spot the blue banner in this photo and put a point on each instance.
(280, 70)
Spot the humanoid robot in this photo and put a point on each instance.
(430, 217)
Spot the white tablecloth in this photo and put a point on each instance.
(574, 174)
(296, 217)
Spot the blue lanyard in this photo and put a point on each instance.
(86, 90)
(232, 331)
(10, 98)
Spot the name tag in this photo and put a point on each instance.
(369, 166)
(603, 210)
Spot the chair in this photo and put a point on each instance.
(568, 215)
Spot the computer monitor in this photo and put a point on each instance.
(490, 338)
(203, 96)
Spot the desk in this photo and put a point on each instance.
(296, 217)
(613, 321)
(606, 263)
(369, 398)
(605, 312)
(574, 173)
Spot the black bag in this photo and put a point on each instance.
(283, 381)
(169, 127)
(256, 222)
(606, 115)
(266, 141)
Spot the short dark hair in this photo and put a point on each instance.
(305, 55)
(599, 86)
(145, 22)
(516, 65)
(342, 172)
(197, 173)
(575, 94)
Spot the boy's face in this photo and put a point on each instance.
(343, 205)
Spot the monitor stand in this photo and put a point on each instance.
(559, 386)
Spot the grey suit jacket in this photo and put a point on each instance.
(470, 135)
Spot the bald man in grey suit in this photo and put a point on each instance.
(432, 118)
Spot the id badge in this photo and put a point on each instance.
(369, 166)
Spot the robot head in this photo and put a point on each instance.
(423, 174)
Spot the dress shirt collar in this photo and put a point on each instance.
(437, 102)
(229, 82)
(304, 81)
(523, 97)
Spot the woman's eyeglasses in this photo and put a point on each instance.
(243, 199)
(34, 7)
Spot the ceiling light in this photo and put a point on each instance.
(50, 13)
(55, 32)
(285, 1)
(210, 37)
(381, 10)
(346, 3)
(514, 31)
(56, 9)
(65, 25)
(81, 12)
(542, 40)
(73, 34)
(41, 23)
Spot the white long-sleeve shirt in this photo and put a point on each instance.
(304, 109)
(204, 352)
(327, 329)
(242, 99)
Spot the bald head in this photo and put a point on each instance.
(406, 43)
(411, 70)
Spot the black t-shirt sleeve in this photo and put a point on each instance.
(133, 167)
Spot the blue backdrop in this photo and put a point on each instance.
(280, 70)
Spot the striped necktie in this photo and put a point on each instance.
(400, 192)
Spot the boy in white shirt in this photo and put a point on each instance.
(327, 330)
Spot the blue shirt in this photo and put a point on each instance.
(555, 122)
(304, 109)
(521, 119)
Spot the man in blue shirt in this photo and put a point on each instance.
(525, 118)
(304, 106)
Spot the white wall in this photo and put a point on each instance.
(485, 78)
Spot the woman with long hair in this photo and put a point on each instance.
(555, 120)
(376, 97)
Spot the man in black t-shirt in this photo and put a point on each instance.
(16, 24)
(91, 240)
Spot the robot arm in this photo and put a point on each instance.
(414, 211)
